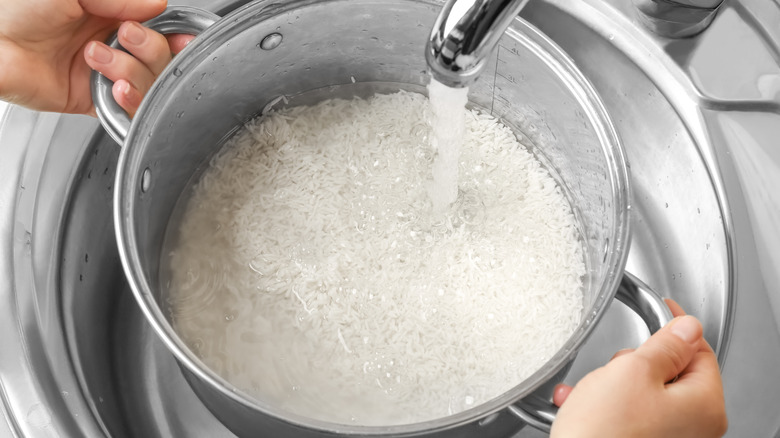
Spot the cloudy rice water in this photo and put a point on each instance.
(312, 271)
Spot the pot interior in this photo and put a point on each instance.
(345, 48)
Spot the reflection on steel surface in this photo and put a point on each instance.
(78, 360)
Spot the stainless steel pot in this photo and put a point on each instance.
(248, 59)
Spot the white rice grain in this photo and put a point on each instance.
(311, 271)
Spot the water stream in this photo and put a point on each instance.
(448, 107)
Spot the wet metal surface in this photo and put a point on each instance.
(701, 135)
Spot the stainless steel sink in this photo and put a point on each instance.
(79, 360)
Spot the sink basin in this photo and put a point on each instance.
(680, 224)
(681, 229)
(83, 362)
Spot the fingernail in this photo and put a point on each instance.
(127, 90)
(123, 87)
(687, 328)
(100, 53)
(134, 33)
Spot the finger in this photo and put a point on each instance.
(703, 365)
(702, 377)
(138, 10)
(126, 96)
(150, 47)
(676, 309)
(670, 350)
(116, 64)
(622, 353)
(561, 393)
(178, 41)
(704, 361)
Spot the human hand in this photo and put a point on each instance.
(45, 47)
(630, 396)
(133, 74)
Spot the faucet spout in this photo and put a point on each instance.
(464, 35)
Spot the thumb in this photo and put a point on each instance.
(671, 349)
(136, 10)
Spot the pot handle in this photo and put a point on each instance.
(175, 19)
(635, 294)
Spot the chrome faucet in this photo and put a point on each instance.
(677, 18)
(467, 31)
(464, 35)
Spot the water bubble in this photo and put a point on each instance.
(271, 41)
(487, 420)
(177, 72)
(38, 416)
(146, 180)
